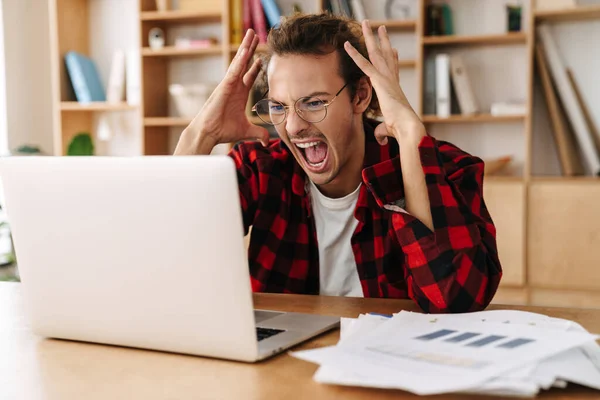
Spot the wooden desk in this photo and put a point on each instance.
(34, 368)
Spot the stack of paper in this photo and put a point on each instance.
(490, 352)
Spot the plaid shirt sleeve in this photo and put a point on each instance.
(245, 159)
(455, 268)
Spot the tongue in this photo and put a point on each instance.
(316, 154)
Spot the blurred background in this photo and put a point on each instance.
(511, 81)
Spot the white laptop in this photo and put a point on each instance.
(144, 252)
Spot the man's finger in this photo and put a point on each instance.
(386, 49)
(252, 73)
(258, 133)
(373, 49)
(239, 64)
(381, 134)
(360, 60)
(396, 57)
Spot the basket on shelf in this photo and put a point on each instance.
(189, 99)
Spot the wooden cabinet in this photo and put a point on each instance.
(505, 199)
(564, 234)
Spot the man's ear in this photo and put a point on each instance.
(363, 95)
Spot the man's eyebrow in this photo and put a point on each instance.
(313, 94)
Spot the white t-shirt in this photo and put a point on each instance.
(335, 224)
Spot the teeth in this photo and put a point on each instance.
(315, 165)
(306, 145)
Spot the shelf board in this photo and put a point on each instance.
(261, 48)
(570, 179)
(171, 51)
(433, 119)
(166, 121)
(95, 106)
(569, 14)
(505, 38)
(180, 16)
(504, 178)
(396, 25)
(407, 63)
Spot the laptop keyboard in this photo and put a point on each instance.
(264, 333)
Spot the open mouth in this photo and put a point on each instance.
(315, 154)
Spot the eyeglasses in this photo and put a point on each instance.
(310, 108)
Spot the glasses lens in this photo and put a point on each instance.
(271, 112)
(311, 109)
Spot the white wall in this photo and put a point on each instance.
(3, 132)
(114, 25)
(27, 57)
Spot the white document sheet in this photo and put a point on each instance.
(488, 352)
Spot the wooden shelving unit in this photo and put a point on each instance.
(400, 25)
(180, 16)
(524, 207)
(166, 121)
(480, 40)
(477, 118)
(580, 13)
(170, 51)
(261, 48)
(95, 106)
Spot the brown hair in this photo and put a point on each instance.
(321, 34)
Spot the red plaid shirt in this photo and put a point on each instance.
(453, 269)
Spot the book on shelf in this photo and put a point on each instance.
(236, 21)
(259, 21)
(271, 12)
(442, 85)
(566, 147)
(429, 92)
(358, 10)
(585, 110)
(569, 100)
(133, 93)
(462, 84)
(115, 91)
(84, 78)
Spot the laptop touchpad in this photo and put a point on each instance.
(260, 315)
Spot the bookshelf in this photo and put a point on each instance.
(580, 13)
(76, 25)
(479, 40)
(523, 205)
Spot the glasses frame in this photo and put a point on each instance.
(326, 104)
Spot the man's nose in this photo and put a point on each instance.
(294, 124)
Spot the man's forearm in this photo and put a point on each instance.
(191, 143)
(415, 187)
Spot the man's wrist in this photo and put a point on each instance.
(193, 143)
(411, 136)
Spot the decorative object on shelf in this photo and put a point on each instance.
(189, 99)
(81, 145)
(514, 16)
(156, 38)
(438, 20)
(495, 165)
(27, 150)
(554, 4)
(183, 42)
(398, 9)
(162, 5)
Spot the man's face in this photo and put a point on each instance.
(323, 148)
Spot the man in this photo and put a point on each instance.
(342, 205)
